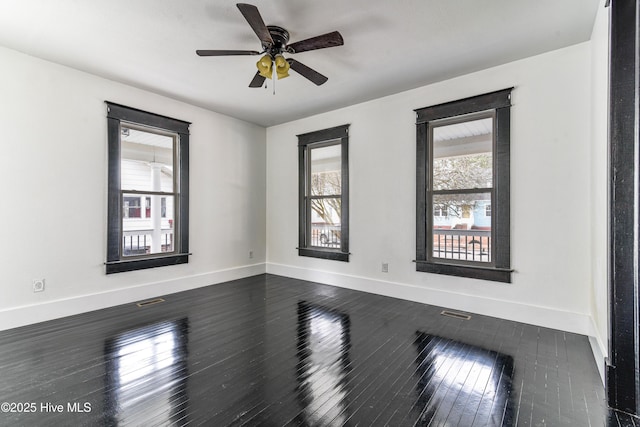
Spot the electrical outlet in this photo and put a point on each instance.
(38, 285)
(385, 267)
(250, 254)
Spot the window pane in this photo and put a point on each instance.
(146, 161)
(461, 228)
(147, 234)
(462, 155)
(325, 222)
(326, 170)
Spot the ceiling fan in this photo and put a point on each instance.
(274, 41)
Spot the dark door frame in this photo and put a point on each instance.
(622, 381)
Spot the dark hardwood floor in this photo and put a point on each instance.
(273, 351)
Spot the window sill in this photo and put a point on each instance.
(324, 254)
(144, 263)
(494, 274)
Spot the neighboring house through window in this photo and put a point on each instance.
(439, 210)
(324, 194)
(148, 190)
(463, 171)
(131, 207)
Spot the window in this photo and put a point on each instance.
(439, 210)
(131, 207)
(463, 172)
(148, 217)
(324, 194)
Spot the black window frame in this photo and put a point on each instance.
(116, 116)
(497, 103)
(306, 142)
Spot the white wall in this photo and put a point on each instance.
(599, 176)
(550, 198)
(53, 170)
(54, 163)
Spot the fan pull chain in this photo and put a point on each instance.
(273, 78)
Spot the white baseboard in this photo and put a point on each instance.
(531, 314)
(599, 350)
(35, 313)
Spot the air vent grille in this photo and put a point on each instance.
(149, 302)
(455, 315)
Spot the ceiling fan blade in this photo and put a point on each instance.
(307, 72)
(226, 52)
(252, 15)
(257, 81)
(318, 42)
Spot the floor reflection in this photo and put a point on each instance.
(147, 374)
(462, 382)
(323, 365)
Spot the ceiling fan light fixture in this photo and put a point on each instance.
(282, 67)
(275, 42)
(264, 66)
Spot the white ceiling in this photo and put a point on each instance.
(390, 46)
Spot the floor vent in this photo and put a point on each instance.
(456, 315)
(149, 302)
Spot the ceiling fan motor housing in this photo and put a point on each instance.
(280, 38)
